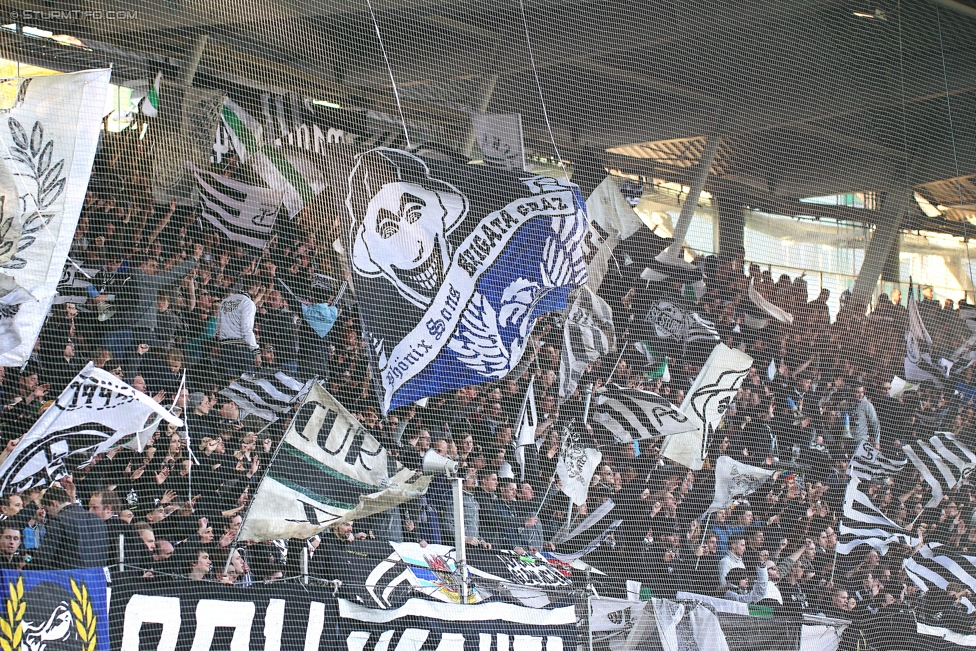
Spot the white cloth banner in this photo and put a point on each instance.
(48, 145)
(95, 412)
(500, 139)
(734, 479)
(706, 402)
(327, 470)
(575, 467)
(607, 208)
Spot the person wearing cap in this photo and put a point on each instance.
(239, 349)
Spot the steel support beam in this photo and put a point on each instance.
(894, 206)
(694, 193)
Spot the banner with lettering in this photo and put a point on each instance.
(452, 265)
(328, 469)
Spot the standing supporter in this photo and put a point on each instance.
(239, 350)
(146, 281)
(75, 538)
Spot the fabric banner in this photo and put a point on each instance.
(328, 469)
(677, 326)
(862, 523)
(286, 171)
(49, 149)
(734, 479)
(54, 610)
(95, 412)
(633, 414)
(942, 461)
(614, 220)
(588, 335)
(183, 133)
(427, 626)
(706, 402)
(768, 308)
(500, 139)
(919, 365)
(868, 462)
(241, 212)
(452, 265)
(575, 466)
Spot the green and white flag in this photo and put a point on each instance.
(289, 172)
(327, 470)
(657, 362)
(150, 106)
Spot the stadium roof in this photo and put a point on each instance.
(810, 97)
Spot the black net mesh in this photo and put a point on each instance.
(478, 326)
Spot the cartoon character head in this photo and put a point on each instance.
(401, 219)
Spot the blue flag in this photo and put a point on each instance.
(452, 266)
(57, 609)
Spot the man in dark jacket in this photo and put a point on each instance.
(75, 538)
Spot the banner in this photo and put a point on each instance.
(678, 327)
(575, 465)
(500, 139)
(734, 480)
(588, 335)
(328, 469)
(285, 171)
(95, 412)
(54, 610)
(706, 402)
(452, 265)
(49, 147)
(614, 220)
(633, 414)
(243, 213)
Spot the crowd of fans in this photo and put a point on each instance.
(180, 297)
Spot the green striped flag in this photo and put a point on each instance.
(327, 470)
(657, 362)
(150, 106)
(285, 171)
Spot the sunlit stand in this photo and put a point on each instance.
(435, 464)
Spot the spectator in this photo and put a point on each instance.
(11, 558)
(74, 538)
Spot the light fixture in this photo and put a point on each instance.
(876, 13)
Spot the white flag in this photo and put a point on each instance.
(327, 470)
(779, 314)
(734, 480)
(243, 213)
(95, 412)
(706, 402)
(500, 139)
(527, 427)
(47, 140)
(614, 221)
(575, 467)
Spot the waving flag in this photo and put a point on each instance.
(453, 264)
(862, 523)
(632, 414)
(49, 147)
(919, 348)
(327, 470)
(613, 220)
(588, 335)
(869, 463)
(705, 404)
(734, 480)
(942, 461)
(241, 212)
(94, 413)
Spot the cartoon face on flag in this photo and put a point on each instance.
(453, 264)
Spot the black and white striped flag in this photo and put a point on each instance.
(588, 334)
(265, 397)
(869, 463)
(241, 212)
(632, 414)
(862, 523)
(942, 461)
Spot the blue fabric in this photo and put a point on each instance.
(51, 595)
(321, 317)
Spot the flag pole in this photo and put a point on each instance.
(704, 533)
(623, 349)
(250, 501)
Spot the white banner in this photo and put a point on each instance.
(48, 143)
(500, 139)
(706, 402)
(327, 470)
(95, 412)
(734, 479)
(575, 466)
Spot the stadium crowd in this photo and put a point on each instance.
(179, 296)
